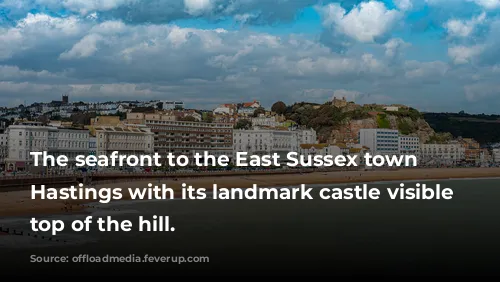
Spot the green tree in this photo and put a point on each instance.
(279, 107)
(404, 127)
(243, 124)
(382, 121)
(259, 111)
(188, 118)
(208, 117)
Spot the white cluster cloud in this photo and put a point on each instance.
(395, 46)
(488, 4)
(197, 7)
(365, 22)
(465, 54)
(404, 5)
(485, 4)
(460, 28)
(86, 47)
(85, 7)
(35, 28)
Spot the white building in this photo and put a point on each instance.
(334, 150)
(380, 141)
(409, 145)
(391, 108)
(93, 146)
(307, 136)
(172, 105)
(249, 108)
(262, 120)
(107, 108)
(319, 149)
(441, 153)
(34, 137)
(126, 139)
(123, 108)
(192, 113)
(246, 111)
(81, 107)
(4, 148)
(47, 108)
(496, 155)
(226, 109)
(264, 142)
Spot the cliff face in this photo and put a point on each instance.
(348, 132)
(423, 130)
(341, 121)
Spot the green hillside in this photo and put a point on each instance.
(483, 128)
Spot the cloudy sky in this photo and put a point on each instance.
(436, 55)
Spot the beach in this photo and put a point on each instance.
(19, 203)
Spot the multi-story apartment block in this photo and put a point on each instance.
(472, 149)
(4, 149)
(34, 137)
(188, 138)
(409, 145)
(4, 143)
(172, 105)
(485, 156)
(265, 142)
(442, 153)
(495, 155)
(140, 118)
(380, 141)
(307, 136)
(93, 146)
(185, 137)
(126, 139)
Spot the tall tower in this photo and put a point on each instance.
(65, 99)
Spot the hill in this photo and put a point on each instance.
(340, 122)
(483, 128)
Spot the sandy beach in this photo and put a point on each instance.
(19, 203)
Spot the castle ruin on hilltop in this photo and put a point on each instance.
(339, 103)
